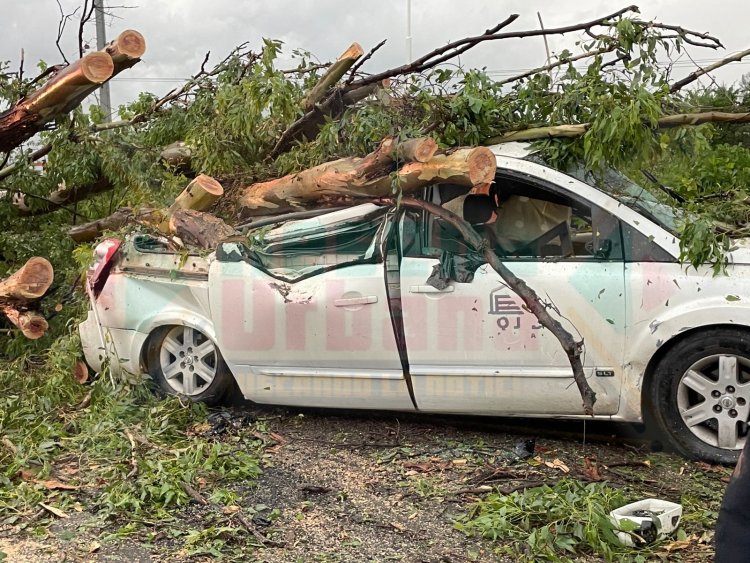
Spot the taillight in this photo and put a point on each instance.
(104, 254)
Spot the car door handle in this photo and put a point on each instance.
(429, 289)
(364, 300)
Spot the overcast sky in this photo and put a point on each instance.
(180, 32)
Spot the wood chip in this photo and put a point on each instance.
(56, 511)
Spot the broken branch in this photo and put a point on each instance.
(695, 75)
(332, 76)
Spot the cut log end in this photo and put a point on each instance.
(210, 185)
(129, 44)
(416, 150)
(32, 324)
(80, 372)
(482, 166)
(97, 67)
(29, 282)
(354, 51)
(200, 194)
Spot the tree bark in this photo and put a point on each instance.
(572, 347)
(331, 76)
(31, 281)
(196, 228)
(32, 324)
(179, 156)
(87, 232)
(57, 96)
(368, 177)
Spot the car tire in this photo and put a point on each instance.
(699, 395)
(183, 361)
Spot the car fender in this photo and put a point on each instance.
(179, 318)
(673, 321)
(646, 338)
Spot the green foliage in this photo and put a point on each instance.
(555, 523)
(54, 434)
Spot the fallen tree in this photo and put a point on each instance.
(281, 147)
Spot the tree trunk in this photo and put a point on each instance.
(32, 324)
(368, 177)
(29, 282)
(332, 75)
(196, 228)
(58, 96)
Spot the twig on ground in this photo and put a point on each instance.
(133, 459)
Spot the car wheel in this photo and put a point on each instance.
(183, 361)
(700, 395)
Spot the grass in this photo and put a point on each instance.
(550, 522)
(119, 454)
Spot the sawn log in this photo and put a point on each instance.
(373, 176)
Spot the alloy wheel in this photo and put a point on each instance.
(713, 399)
(188, 360)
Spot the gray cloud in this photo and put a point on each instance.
(180, 32)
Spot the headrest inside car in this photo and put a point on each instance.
(478, 208)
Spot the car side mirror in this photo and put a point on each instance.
(604, 249)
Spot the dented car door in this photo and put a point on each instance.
(305, 318)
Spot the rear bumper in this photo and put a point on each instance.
(122, 347)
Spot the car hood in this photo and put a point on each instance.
(740, 253)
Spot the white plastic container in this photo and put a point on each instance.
(655, 519)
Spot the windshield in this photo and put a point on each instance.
(629, 193)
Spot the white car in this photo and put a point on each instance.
(376, 308)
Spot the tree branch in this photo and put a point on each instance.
(560, 62)
(695, 75)
(579, 129)
(362, 61)
(460, 46)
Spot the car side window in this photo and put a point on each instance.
(529, 222)
(640, 248)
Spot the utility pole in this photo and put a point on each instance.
(101, 41)
(408, 30)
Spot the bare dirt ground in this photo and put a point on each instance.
(374, 487)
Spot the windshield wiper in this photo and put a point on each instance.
(667, 190)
